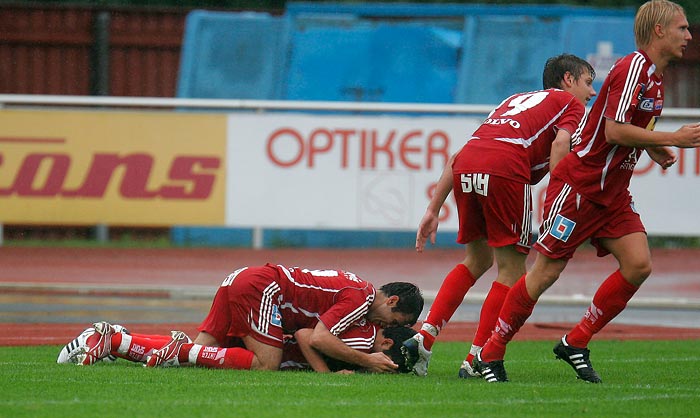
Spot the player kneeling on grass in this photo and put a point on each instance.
(259, 305)
(297, 351)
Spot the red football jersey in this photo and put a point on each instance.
(631, 93)
(361, 337)
(337, 298)
(515, 141)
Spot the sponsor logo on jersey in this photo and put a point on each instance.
(631, 160)
(503, 121)
(647, 104)
(276, 317)
(562, 228)
(659, 104)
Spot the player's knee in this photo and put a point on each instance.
(480, 263)
(204, 338)
(480, 267)
(545, 272)
(637, 272)
(264, 364)
(538, 284)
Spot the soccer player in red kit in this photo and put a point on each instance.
(525, 136)
(588, 194)
(297, 351)
(259, 305)
(299, 355)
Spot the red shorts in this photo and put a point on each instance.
(494, 208)
(571, 219)
(246, 304)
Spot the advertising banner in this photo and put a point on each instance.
(116, 168)
(281, 170)
(338, 172)
(378, 172)
(668, 200)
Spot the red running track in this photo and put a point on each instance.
(24, 271)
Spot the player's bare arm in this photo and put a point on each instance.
(312, 356)
(663, 156)
(560, 147)
(427, 229)
(322, 340)
(625, 134)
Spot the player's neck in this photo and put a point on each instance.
(658, 57)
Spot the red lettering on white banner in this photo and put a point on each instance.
(368, 148)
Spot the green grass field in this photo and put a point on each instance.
(641, 379)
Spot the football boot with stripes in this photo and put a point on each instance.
(491, 371)
(167, 356)
(98, 345)
(69, 353)
(578, 358)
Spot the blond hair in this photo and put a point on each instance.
(650, 14)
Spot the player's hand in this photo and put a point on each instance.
(688, 136)
(426, 230)
(380, 363)
(663, 156)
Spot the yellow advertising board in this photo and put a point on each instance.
(116, 168)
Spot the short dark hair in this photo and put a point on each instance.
(556, 67)
(398, 335)
(410, 298)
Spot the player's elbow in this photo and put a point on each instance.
(614, 132)
(316, 340)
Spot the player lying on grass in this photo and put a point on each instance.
(259, 305)
(297, 351)
(299, 355)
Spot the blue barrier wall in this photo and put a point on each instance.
(394, 52)
(379, 62)
(232, 55)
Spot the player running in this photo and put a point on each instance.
(588, 194)
(515, 147)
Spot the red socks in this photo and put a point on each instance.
(610, 299)
(517, 308)
(428, 339)
(136, 347)
(489, 312)
(216, 357)
(456, 284)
